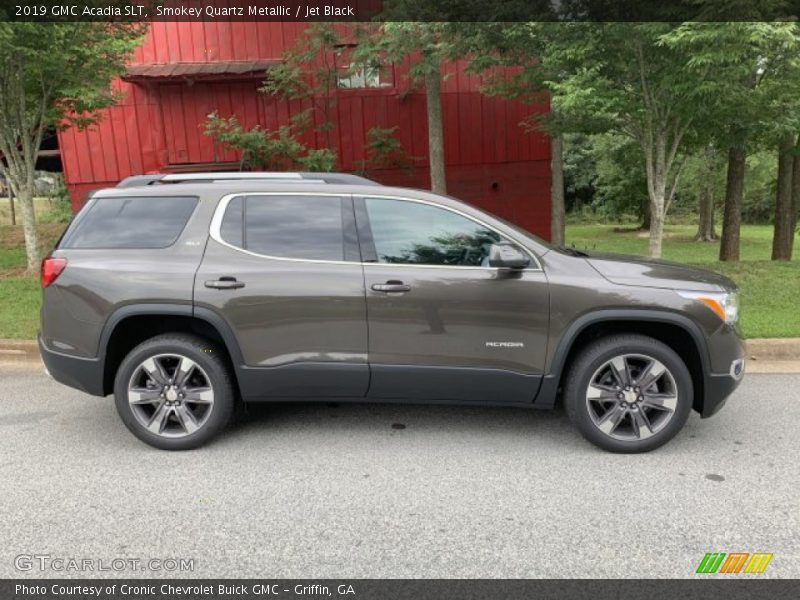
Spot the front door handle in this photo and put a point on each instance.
(224, 283)
(391, 286)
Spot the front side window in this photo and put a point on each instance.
(420, 234)
(131, 222)
(304, 227)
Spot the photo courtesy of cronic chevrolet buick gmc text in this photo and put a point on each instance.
(185, 294)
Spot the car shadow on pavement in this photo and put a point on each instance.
(397, 419)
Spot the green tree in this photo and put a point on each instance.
(612, 77)
(748, 73)
(703, 178)
(620, 181)
(629, 82)
(385, 151)
(52, 75)
(276, 150)
(309, 72)
(524, 47)
(423, 47)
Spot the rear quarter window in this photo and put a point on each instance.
(131, 222)
(293, 226)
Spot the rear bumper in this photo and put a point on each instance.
(85, 374)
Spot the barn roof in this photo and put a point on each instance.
(223, 69)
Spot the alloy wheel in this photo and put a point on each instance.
(631, 397)
(170, 395)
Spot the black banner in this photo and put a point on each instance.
(398, 10)
(735, 588)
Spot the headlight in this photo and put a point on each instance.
(724, 304)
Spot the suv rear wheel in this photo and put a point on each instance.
(628, 393)
(174, 392)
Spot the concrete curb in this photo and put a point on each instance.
(773, 349)
(763, 354)
(19, 350)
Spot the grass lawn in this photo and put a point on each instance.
(20, 296)
(20, 299)
(40, 207)
(770, 291)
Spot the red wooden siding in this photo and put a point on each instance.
(158, 126)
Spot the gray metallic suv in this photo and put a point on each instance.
(185, 294)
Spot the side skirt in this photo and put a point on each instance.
(393, 401)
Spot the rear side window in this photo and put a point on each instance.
(132, 222)
(304, 227)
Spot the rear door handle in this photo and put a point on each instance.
(391, 286)
(224, 283)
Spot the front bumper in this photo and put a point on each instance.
(718, 390)
(727, 353)
(85, 374)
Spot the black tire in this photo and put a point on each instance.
(213, 368)
(593, 358)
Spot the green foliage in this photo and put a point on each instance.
(52, 75)
(423, 46)
(759, 190)
(59, 73)
(659, 94)
(309, 71)
(580, 171)
(318, 159)
(620, 179)
(604, 176)
(264, 149)
(385, 151)
(60, 210)
(749, 73)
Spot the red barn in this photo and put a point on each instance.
(185, 70)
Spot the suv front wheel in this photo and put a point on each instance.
(628, 393)
(174, 392)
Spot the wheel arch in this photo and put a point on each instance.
(130, 325)
(677, 331)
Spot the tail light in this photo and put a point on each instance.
(51, 269)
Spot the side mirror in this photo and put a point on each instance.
(507, 256)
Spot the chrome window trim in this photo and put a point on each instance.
(219, 213)
(462, 214)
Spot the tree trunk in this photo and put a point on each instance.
(705, 199)
(11, 203)
(795, 187)
(657, 167)
(645, 215)
(705, 225)
(734, 193)
(657, 218)
(557, 210)
(433, 91)
(784, 232)
(25, 199)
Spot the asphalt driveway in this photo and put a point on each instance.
(309, 490)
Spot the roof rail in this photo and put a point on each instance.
(162, 178)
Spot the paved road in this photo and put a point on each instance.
(323, 491)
